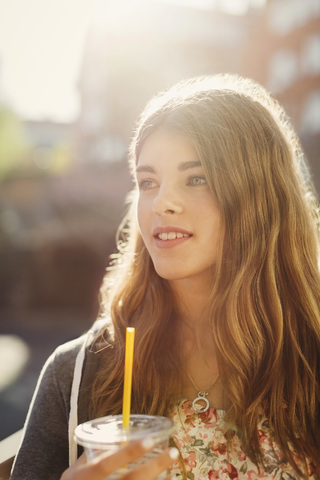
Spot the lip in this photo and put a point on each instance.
(170, 243)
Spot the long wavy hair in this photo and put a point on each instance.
(264, 306)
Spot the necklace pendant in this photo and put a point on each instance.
(202, 393)
(201, 397)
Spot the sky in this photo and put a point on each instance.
(41, 45)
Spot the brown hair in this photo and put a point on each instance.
(265, 300)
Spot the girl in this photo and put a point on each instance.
(217, 271)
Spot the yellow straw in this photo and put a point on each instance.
(127, 377)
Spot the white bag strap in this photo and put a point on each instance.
(73, 416)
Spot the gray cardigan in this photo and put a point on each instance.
(44, 451)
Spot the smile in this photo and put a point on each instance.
(171, 235)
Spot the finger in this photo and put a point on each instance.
(111, 463)
(81, 460)
(105, 464)
(152, 469)
(71, 472)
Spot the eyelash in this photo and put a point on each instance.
(196, 177)
(143, 185)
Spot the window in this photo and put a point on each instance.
(310, 58)
(283, 70)
(310, 121)
(285, 15)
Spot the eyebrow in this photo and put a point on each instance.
(183, 166)
(186, 165)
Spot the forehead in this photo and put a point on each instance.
(168, 146)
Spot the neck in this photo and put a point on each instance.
(197, 342)
(192, 298)
(194, 324)
(195, 332)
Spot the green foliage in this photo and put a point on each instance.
(20, 157)
(13, 142)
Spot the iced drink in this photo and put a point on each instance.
(107, 434)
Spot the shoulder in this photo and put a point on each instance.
(61, 363)
(69, 350)
(66, 353)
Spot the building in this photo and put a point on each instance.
(132, 54)
(284, 55)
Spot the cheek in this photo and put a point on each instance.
(142, 218)
(213, 221)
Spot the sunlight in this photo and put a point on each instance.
(233, 7)
(41, 46)
(36, 62)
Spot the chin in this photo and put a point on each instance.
(167, 274)
(171, 274)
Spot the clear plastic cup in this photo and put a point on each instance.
(107, 434)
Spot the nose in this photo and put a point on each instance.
(167, 202)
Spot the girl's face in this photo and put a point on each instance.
(178, 216)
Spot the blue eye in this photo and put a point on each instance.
(196, 180)
(146, 184)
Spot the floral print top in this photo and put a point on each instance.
(203, 446)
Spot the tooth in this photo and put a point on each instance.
(172, 235)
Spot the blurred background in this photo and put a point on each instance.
(74, 75)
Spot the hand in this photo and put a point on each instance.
(103, 465)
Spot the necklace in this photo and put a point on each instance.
(202, 394)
